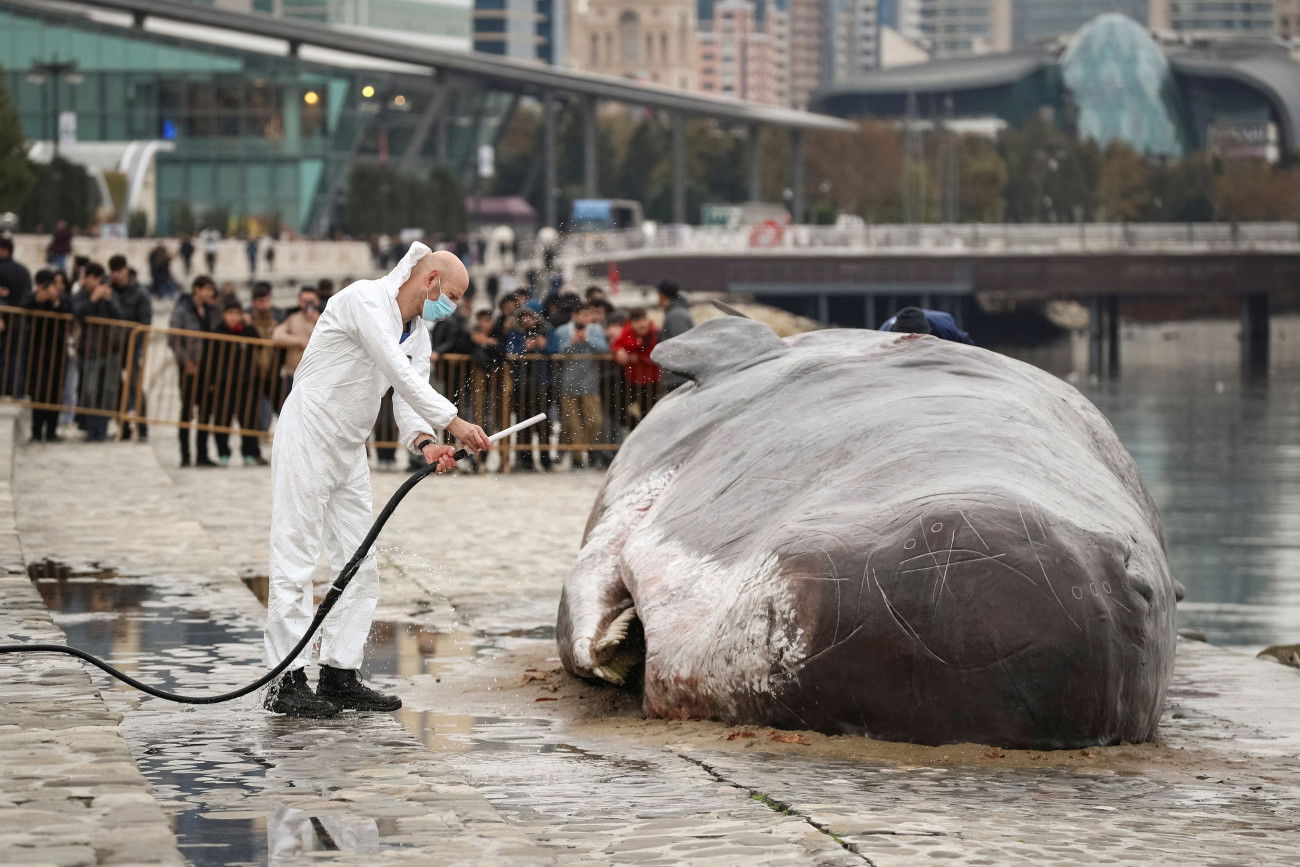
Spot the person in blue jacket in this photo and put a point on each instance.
(914, 320)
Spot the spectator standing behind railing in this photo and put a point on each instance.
(485, 365)
(230, 364)
(136, 307)
(194, 312)
(640, 375)
(529, 377)
(294, 333)
(100, 350)
(265, 316)
(48, 358)
(576, 344)
(677, 321)
(15, 289)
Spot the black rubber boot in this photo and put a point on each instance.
(342, 687)
(292, 696)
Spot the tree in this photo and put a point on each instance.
(983, 176)
(446, 202)
(1050, 175)
(647, 148)
(16, 175)
(1252, 190)
(1123, 185)
(863, 169)
(1182, 190)
(62, 192)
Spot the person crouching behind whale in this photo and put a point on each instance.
(368, 339)
(915, 320)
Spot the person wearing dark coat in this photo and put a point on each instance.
(229, 366)
(47, 338)
(196, 312)
(915, 320)
(100, 348)
(136, 306)
(15, 289)
(677, 321)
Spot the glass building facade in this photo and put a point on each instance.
(254, 135)
(1122, 88)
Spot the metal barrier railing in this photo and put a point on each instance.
(56, 363)
(219, 384)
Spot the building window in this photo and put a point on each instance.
(629, 37)
(595, 49)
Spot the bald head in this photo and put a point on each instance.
(435, 272)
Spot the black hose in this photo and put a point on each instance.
(336, 590)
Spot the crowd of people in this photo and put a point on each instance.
(539, 348)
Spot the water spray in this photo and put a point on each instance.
(322, 611)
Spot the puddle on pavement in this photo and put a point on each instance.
(213, 774)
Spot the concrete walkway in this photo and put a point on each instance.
(70, 792)
(498, 756)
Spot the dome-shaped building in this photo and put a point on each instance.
(1120, 87)
(1110, 82)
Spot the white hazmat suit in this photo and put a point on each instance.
(320, 476)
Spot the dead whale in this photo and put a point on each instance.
(893, 536)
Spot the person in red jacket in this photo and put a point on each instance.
(632, 349)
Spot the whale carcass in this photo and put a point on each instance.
(880, 534)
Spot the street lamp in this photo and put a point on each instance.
(53, 71)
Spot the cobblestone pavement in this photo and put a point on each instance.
(69, 790)
(472, 568)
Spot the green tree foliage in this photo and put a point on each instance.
(1123, 185)
(62, 191)
(863, 171)
(982, 175)
(16, 176)
(1038, 173)
(446, 203)
(1182, 190)
(384, 200)
(1050, 176)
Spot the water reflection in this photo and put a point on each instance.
(1221, 457)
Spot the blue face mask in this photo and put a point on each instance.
(440, 309)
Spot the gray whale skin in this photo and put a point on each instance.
(885, 535)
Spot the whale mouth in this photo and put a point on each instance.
(613, 655)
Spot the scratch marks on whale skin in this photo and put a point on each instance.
(976, 532)
(902, 621)
(1043, 569)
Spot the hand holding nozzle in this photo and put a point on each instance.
(445, 458)
(471, 436)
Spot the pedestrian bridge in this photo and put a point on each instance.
(856, 275)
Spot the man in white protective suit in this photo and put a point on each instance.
(372, 335)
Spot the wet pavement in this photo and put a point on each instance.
(496, 752)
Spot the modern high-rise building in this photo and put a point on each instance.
(1215, 19)
(961, 28)
(1033, 21)
(652, 42)
(852, 43)
(807, 41)
(525, 29)
(740, 57)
